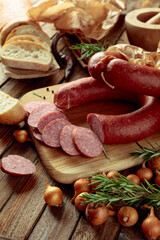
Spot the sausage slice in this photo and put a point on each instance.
(39, 112)
(48, 118)
(66, 140)
(51, 132)
(87, 142)
(17, 165)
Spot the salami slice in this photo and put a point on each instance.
(30, 106)
(87, 142)
(37, 134)
(66, 140)
(17, 165)
(39, 112)
(48, 118)
(51, 132)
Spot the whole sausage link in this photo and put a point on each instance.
(86, 90)
(125, 128)
(133, 77)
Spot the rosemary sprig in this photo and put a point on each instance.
(36, 94)
(89, 49)
(146, 153)
(111, 191)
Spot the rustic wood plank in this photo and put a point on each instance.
(85, 230)
(8, 182)
(25, 204)
(57, 223)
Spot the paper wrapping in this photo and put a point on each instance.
(92, 19)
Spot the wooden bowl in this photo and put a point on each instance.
(143, 28)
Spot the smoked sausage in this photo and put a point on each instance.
(98, 62)
(133, 77)
(17, 165)
(87, 142)
(86, 90)
(66, 140)
(125, 128)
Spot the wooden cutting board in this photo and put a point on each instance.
(66, 169)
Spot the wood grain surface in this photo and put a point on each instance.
(24, 215)
(66, 169)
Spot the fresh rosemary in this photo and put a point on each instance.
(89, 49)
(146, 153)
(112, 191)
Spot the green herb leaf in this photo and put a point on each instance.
(146, 153)
(111, 191)
(89, 49)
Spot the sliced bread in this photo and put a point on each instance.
(26, 55)
(29, 30)
(31, 38)
(11, 110)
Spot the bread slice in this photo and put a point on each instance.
(29, 30)
(11, 110)
(26, 55)
(31, 38)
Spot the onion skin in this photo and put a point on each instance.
(53, 195)
(154, 163)
(134, 178)
(127, 216)
(21, 136)
(97, 215)
(81, 185)
(151, 226)
(112, 174)
(144, 173)
(78, 202)
(157, 180)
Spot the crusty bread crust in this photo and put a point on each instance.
(31, 38)
(29, 30)
(11, 110)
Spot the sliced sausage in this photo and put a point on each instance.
(30, 106)
(39, 112)
(51, 132)
(133, 77)
(17, 165)
(66, 140)
(128, 127)
(48, 118)
(86, 90)
(87, 142)
(37, 134)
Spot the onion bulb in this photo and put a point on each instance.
(21, 136)
(154, 163)
(78, 202)
(144, 173)
(134, 178)
(127, 216)
(151, 226)
(81, 185)
(97, 214)
(157, 180)
(53, 195)
(112, 174)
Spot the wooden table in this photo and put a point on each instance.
(23, 212)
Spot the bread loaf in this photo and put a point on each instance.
(31, 38)
(26, 55)
(13, 14)
(11, 110)
(29, 30)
